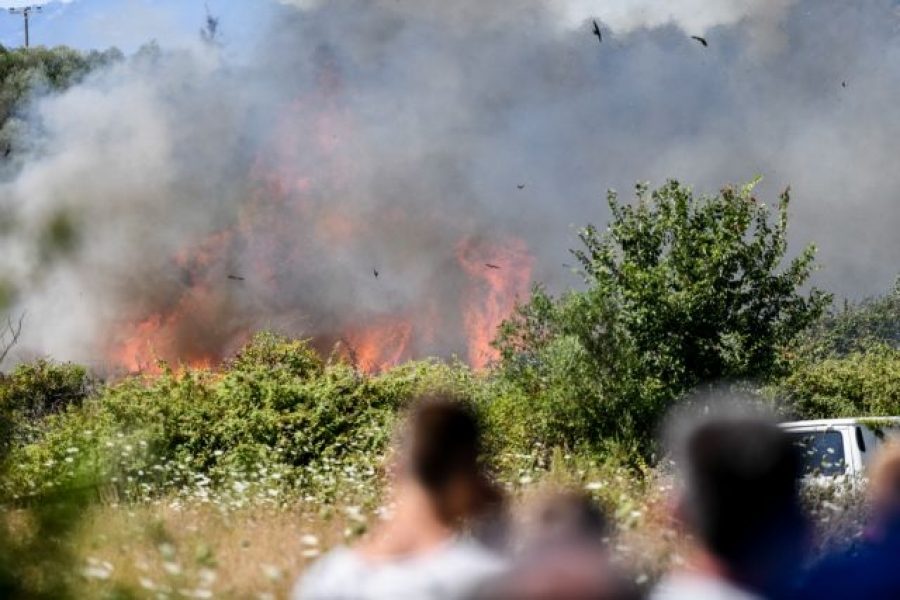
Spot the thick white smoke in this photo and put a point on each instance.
(693, 16)
(414, 124)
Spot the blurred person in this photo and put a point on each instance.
(565, 518)
(564, 556)
(420, 552)
(884, 494)
(868, 569)
(740, 503)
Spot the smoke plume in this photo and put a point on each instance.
(183, 201)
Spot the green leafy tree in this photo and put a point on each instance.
(27, 72)
(862, 383)
(856, 327)
(679, 290)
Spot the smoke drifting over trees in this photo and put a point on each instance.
(381, 134)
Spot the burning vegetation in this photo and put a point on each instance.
(304, 232)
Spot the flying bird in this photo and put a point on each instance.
(8, 151)
(521, 186)
(490, 266)
(236, 278)
(376, 273)
(597, 31)
(701, 40)
(844, 84)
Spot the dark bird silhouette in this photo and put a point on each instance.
(521, 186)
(236, 278)
(701, 40)
(376, 273)
(843, 84)
(597, 31)
(490, 266)
(8, 151)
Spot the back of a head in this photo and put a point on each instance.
(445, 441)
(443, 451)
(565, 518)
(742, 491)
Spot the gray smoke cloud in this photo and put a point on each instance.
(394, 135)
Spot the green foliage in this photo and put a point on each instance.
(34, 391)
(680, 290)
(856, 327)
(60, 236)
(36, 558)
(25, 72)
(275, 405)
(864, 382)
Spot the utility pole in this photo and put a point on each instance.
(25, 11)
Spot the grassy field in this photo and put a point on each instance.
(227, 484)
(210, 548)
(240, 544)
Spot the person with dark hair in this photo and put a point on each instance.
(741, 504)
(564, 556)
(420, 552)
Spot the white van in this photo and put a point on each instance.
(841, 446)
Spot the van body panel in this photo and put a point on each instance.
(841, 446)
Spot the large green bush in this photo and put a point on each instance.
(864, 382)
(855, 327)
(34, 391)
(680, 290)
(276, 406)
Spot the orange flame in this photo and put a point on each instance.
(291, 216)
(381, 345)
(501, 275)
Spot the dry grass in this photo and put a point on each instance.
(202, 552)
(207, 547)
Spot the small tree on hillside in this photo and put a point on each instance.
(680, 290)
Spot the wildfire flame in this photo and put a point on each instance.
(298, 214)
(500, 275)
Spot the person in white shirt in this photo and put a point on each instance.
(741, 505)
(420, 552)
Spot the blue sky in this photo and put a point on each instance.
(127, 24)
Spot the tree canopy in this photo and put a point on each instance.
(680, 290)
(25, 72)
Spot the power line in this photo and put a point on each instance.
(25, 11)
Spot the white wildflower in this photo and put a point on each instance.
(272, 572)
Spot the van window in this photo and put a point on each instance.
(822, 451)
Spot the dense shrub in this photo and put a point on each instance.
(275, 406)
(34, 391)
(865, 382)
(856, 327)
(680, 290)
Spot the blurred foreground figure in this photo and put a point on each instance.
(870, 570)
(741, 505)
(564, 557)
(418, 553)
